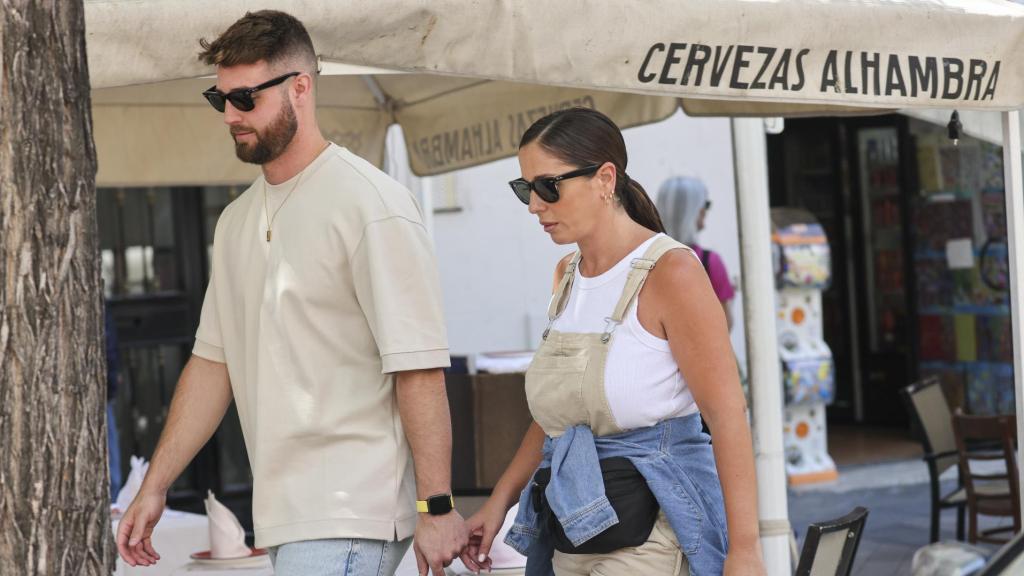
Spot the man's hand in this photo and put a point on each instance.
(438, 541)
(136, 527)
(201, 398)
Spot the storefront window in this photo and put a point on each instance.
(155, 251)
(880, 183)
(137, 243)
(215, 199)
(149, 374)
(961, 263)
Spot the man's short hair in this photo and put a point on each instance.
(269, 35)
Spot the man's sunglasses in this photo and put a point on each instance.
(241, 98)
(546, 187)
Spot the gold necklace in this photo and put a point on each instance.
(266, 210)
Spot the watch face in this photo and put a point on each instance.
(439, 505)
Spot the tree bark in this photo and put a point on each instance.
(54, 485)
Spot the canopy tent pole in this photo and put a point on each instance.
(750, 153)
(396, 164)
(427, 203)
(1014, 190)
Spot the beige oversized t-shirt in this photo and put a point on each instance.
(312, 326)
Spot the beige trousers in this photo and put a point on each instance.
(659, 556)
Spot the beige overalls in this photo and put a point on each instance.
(565, 387)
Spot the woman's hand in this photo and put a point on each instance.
(483, 527)
(485, 524)
(744, 561)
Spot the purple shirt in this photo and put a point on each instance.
(717, 273)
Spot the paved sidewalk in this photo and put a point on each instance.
(897, 499)
(896, 496)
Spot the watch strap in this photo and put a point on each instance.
(423, 506)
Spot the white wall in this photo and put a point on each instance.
(497, 264)
(700, 147)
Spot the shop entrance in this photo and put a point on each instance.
(916, 227)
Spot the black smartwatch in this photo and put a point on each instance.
(437, 505)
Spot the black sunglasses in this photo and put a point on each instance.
(241, 98)
(546, 187)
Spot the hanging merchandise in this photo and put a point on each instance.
(961, 264)
(803, 269)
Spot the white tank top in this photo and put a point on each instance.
(642, 380)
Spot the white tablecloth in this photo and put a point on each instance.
(176, 536)
(503, 362)
(263, 569)
(180, 534)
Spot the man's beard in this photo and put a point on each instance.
(272, 141)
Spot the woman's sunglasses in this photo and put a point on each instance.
(241, 98)
(546, 187)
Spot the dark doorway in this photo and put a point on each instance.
(154, 246)
(852, 174)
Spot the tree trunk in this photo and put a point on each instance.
(54, 495)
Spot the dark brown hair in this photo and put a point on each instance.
(269, 35)
(582, 137)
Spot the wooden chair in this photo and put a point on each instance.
(989, 494)
(830, 546)
(1007, 561)
(928, 407)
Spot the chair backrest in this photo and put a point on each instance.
(997, 432)
(927, 404)
(830, 546)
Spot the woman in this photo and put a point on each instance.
(683, 203)
(631, 350)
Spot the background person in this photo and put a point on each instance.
(683, 204)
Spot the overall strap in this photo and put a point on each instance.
(561, 296)
(639, 268)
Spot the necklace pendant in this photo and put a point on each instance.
(268, 235)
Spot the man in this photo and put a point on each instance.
(323, 320)
(113, 380)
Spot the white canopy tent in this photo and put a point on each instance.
(744, 58)
(794, 51)
(506, 58)
(448, 122)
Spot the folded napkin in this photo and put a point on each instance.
(227, 537)
(132, 483)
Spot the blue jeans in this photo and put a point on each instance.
(113, 451)
(338, 557)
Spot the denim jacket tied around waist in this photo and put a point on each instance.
(674, 457)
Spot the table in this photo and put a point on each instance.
(176, 536)
(263, 569)
(180, 534)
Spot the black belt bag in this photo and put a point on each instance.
(630, 497)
